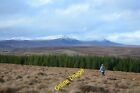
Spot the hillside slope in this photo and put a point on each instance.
(35, 79)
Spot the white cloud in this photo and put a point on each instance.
(20, 38)
(75, 9)
(111, 17)
(95, 3)
(98, 2)
(119, 16)
(51, 37)
(38, 3)
(37, 38)
(14, 22)
(128, 37)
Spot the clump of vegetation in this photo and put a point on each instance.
(89, 88)
(7, 90)
(90, 62)
(2, 80)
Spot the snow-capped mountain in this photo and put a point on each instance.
(55, 42)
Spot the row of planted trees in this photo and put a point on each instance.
(90, 62)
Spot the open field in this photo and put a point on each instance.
(41, 79)
(36, 79)
(96, 50)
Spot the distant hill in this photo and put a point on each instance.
(59, 42)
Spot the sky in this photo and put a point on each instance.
(114, 20)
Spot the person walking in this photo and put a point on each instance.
(102, 69)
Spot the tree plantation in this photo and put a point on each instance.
(89, 62)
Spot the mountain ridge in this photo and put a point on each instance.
(58, 42)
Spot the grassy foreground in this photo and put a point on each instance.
(40, 79)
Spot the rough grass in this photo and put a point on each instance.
(89, 88)
(36, 79)
(7, 90)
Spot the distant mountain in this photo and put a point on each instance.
(59, 42)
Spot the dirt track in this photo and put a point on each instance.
(35, 79)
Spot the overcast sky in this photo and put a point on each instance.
(115, 20)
